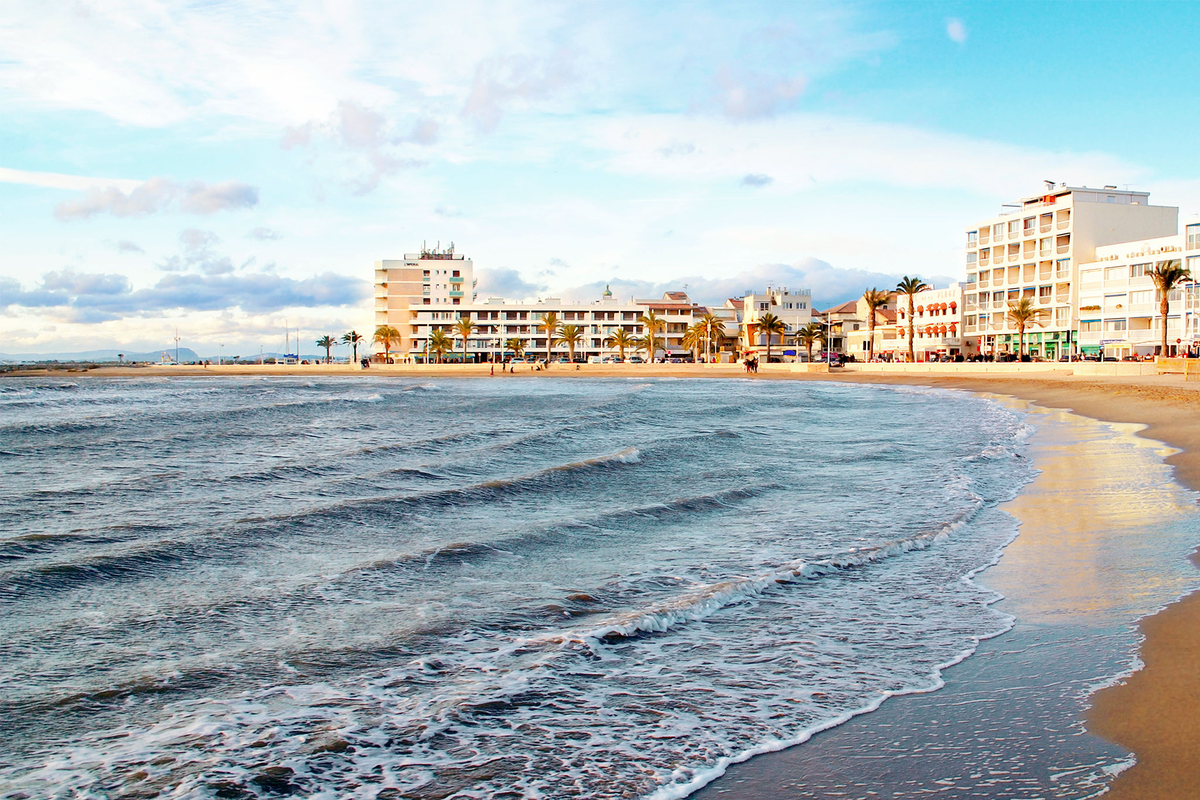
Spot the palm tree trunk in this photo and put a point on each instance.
(871, 336)
(1164, 306)
(911, 358)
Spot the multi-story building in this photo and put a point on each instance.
(937, 323)
(498, 320)
(1119, 304)
(431, 277)
(858, 331)
(794, 308)
(1033, 249)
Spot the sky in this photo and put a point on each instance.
(226, 170)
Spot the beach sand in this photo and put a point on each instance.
(1155, 713)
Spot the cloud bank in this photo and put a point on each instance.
(159, 194)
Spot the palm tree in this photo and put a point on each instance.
(1166, 276)
(910, 286)
(645, 344)
(517, 345)
(653, 324)
(352, 338)
(620, 339)
(693, 338)
(387, 336)
(328, 342)
(570, 335)
(770, 324)
(875, 300)
(439, 343)
(464, 328)
(714, 326)
(809, 335)
(1022, 313)
(549, 324)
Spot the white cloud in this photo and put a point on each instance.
(956, 30)
(159, 194)
(55, 180)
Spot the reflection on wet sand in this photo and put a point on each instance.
(1103, 541)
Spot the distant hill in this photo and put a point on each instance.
(185, 354)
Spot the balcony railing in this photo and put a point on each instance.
(1045, 227)
(985, 261)
(1043, 300)
(1014, 235)
(983, 283)
(1014, 256)
(1062, 248)
(983, 240)
(456, 294)
(1064, 224)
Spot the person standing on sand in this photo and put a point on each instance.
(493, 369)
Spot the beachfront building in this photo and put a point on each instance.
(857, 331)
(937, 324)
(425, 279)
(499, 320)
(793, 308)
(1033, 248)
(1119, 304)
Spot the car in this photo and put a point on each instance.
(636, 360)
(613, 360)
(594, 360)
(563, 360)
(519, 361)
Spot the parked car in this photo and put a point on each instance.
(636, 360)
(613, 360)
(594, 360)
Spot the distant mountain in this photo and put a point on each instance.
(185, 354)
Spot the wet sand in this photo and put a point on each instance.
(1156, 712)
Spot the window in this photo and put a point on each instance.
(998, 231)
(1012, 226)
(1193, 237)
(1061, 314)
(970, 277)
(1114, 325)
(1137, 270)
(972, 238)
(1090, 276)
(425, 301)
(972, 257)
(1029, 225)
(1045, 291)
(1193, 265)
(1114, 300)
(998, 297)
(970, 319)
(1112, 199)
(1114, 274)
(1141, 296)
(1089, 326)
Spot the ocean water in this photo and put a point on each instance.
(383, 588)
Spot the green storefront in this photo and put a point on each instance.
(1047, 344)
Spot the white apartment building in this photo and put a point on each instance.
(499, 320)
(431, 277)
(794, 308)
(1033, 249)
(1119, 305)
(937, 324)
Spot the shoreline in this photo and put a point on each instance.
(1153, 712)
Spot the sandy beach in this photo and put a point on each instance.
(1154, 713)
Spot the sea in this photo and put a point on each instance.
(478, 588)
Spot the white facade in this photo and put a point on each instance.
(428, 278)
(794, 308)
(499, 320)
(1033, 249)
(937, 322)
(1119, 305)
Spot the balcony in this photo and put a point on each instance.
(1043, 300)
(1045, 227)
(456, 280)
(1062, 248)
(1014, 234)
(456, 294)
(1064, 224)
(984, 261)
(1014, 256)
(983, 240)
(983, 283)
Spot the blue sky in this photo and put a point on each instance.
(231, 168)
